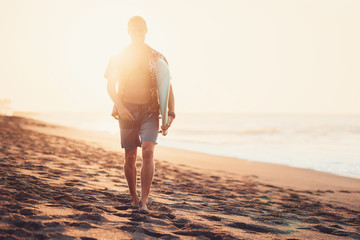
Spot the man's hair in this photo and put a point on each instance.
(136, 21)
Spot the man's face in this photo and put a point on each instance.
(137, 33)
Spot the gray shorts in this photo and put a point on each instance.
(143, 128)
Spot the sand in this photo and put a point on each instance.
(62, 183)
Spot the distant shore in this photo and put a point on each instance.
(59, 182)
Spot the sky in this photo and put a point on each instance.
(259, 56)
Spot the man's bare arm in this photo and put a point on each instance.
(171, 107)
(121, 109)
(171, 103)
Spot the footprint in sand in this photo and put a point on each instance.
(211, 217)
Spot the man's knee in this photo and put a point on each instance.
(130, 157)
(148, 154)
(148, 151)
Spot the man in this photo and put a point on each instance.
(132, 88)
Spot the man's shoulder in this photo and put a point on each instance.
(156, 54)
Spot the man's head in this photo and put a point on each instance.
(137, 29)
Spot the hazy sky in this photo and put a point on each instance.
(232, 56)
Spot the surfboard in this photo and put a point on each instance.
(163, 85)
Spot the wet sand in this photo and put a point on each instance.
(62, 183)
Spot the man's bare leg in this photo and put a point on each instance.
(147, 172)
(130, 174)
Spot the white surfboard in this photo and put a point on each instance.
(163, 84)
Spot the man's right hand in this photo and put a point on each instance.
(124, 113)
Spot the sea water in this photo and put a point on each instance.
(329, 143)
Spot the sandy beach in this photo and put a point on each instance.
(62, 183)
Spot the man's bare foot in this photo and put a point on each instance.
(135, 203)
(143, 207)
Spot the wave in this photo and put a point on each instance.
(227, 132)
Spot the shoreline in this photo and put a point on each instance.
(191, 159)
(255, 161)
(64, 183)
(220, 151)
(106, 134)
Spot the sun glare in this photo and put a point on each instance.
(63, 48)
(95, 35)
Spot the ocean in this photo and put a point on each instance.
(329, 143)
